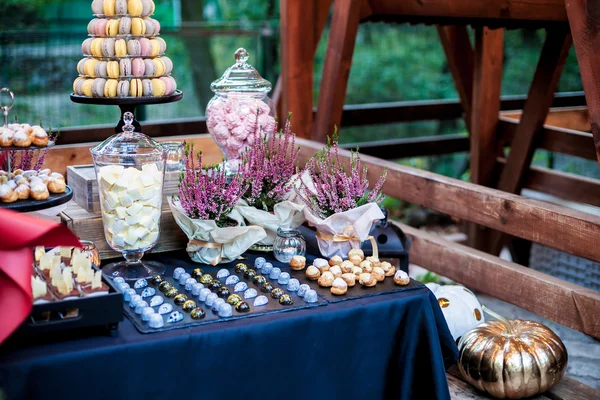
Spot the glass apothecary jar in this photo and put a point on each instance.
(130, 170)
(288, 243)
(240, 108)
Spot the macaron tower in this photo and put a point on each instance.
(124, 56)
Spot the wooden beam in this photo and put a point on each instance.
(561, 184)
(338, 59)
(559, 140)
(558, 227)
(459, 55)
(549, 69)
(413, 147)
(527, 10)
(584, 19)
(59, 157)
(561, 301)
(575, 118)
(302, 23)
(487, 76)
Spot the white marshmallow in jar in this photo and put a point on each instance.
(130, 171)
(241, 112)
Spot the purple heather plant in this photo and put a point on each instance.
(208, 194)
(268, 168)
(335, 190)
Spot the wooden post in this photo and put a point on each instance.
(541, 93)
(459, 53)
(338, 59)
(487, 76)
(584, 19)
(302, 23)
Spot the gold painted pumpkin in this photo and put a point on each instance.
(512, 358)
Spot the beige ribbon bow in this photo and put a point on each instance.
(210, 245)
(347, 235)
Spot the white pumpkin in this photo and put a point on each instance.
(460, 307)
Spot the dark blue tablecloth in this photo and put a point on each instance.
(392, 346)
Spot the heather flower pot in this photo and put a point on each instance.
(211, 244)
(341, 232)
(285, 215)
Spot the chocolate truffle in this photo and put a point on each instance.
(174, 317)
(277, 293)
(232, 280)
(242, 307)
(241, 268)
(156, 280)
(286, 300)
(250, 273)
(164, 286)
(156, 321)
(197, 273)
(233, 299)
(189, 305)
(206, 279)
(223, 292)
(197, 313)
(180, 299)
(171, 292)
(267, 287)
(178, 272)
(225, 310)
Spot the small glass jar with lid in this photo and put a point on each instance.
(288, 243)
(130, 170)
(240, 111)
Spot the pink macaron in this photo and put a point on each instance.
(125, 67)
(100, 27)
(86, 46)
(138, 67)
(145, 46)
(91, 26)
(170, 85)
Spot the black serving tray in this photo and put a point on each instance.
(35, 205)
(101, 313)
(182, 260)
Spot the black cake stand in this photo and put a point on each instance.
(127, 104)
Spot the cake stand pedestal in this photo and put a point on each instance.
(127, 104)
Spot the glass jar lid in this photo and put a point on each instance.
(241, 77)
(130, 143)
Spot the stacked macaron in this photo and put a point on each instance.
(124, 56)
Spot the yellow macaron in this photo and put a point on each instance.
(109, 7)
(90, 67)
(138, 26)
(134, 7)
(161, 69)
(120, 48)
(135, 88)
(110, 89)
(158, 87)
(112, 69)
(97, 47)
(155, 48)
(86, 88)
(112, 28)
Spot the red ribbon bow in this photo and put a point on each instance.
(19, 234)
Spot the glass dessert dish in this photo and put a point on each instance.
(91, 252)
(240, 109)
(288, 243)
(130, 171)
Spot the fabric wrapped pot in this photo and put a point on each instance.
(210, 244)
(512, 358)
(286, 215)
(342, 232)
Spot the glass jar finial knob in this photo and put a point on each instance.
(128, 120)
(241, 56)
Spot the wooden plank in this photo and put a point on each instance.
(487, 76)
(559, 140)
(59, 157)
(549, 69)
(178, 127)
(574, 118)
(572, 389)
(459, 55)
(584, 19)
(529, 219)
(301, 26)
(529, 10)
(338, 59)
(561, 301)
(562, 184)
(413, 147)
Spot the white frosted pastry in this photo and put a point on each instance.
(131, 205)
